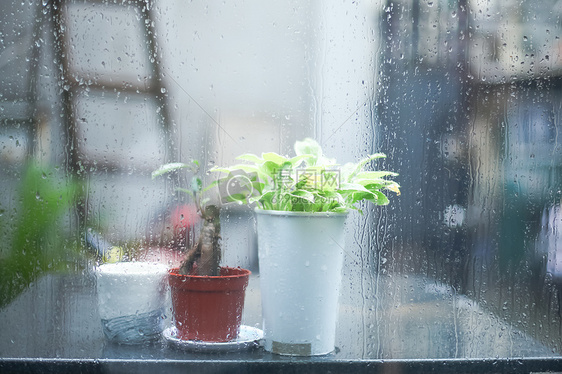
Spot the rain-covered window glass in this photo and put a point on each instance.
(119, 119)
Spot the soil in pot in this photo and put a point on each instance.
(208, 308)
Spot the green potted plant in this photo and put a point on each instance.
(207, 299)
(302, 204)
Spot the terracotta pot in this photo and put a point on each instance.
(208, 308)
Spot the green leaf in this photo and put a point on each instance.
(266, 200)
(308, 146)
(303, 194)
(363, 162)
(332, 199)
(357, 196)
(189, 192)
(258, 186)
(214, 183)
(235, 168)
(268, 170)
(297, 160)
(167, 168)
(374, 186)
(353, 187)
(381, 198)
(375, 174)
(274, 157)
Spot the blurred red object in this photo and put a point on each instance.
(184, 216)
(184, 219)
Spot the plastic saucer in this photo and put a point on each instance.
(249, 337)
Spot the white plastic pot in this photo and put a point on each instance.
(300, 261)
(131, 299)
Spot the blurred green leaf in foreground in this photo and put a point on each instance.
(36, 239)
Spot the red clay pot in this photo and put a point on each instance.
(208, 308)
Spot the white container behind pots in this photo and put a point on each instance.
(131, 299)
(300, 260)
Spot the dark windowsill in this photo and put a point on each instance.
(261, 364)
(54, 327)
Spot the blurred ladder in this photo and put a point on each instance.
(74, 82)
(153, 87)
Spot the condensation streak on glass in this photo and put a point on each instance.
(463, 96)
